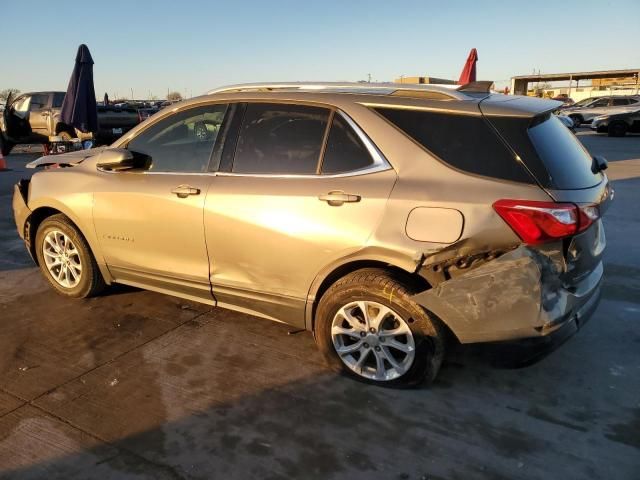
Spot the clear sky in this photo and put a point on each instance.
(195, 45)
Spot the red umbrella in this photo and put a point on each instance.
(469, 71)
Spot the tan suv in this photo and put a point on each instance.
(384, 218)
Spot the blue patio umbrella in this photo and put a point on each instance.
(79, 106)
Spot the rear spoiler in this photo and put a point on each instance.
(482, 86)
(517, 106)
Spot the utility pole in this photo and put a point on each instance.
(368, 78)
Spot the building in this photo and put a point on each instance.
(578, 85)
(425, 80)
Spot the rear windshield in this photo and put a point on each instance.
(466, 142)
(552, 153)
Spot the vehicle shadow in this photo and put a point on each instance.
(229, 396)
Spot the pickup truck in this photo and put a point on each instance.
(34, 117)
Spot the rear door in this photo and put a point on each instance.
(277, 214)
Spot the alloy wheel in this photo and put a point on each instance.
(373, 340)
(62, 259)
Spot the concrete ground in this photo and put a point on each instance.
(136, 384)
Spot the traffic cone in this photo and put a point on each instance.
(3, 163)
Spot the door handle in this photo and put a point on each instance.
(337, 198)
(183, 191)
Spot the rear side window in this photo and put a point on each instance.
(465, 142)
(345, 151)
(280, 139)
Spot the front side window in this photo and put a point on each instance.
(38, 101)
(183, 141)
(345, 151)
(280, 139)
(600, 103)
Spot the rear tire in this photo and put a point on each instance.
(617, 129)
(65, 259)
(370, 350)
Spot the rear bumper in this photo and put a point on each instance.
(517, 297)
(524, 352)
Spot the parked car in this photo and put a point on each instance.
(617, 124)
(144, 113)
(584, 113)
(384, 218)
(34, 117)
(565, 99)
(566, 121)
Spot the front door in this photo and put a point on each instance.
(39, 116)
(285, 210)
(149, 223)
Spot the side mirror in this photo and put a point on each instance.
(121, 159)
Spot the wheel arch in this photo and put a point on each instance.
(39, 215)
(324, 280)
(63, 127)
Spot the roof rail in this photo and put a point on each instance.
(447, 91)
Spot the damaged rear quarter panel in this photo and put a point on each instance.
(503, 299)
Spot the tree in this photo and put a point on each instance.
(4, 94)
(174, 96)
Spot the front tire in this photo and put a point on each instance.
(66, 260)
(368, 328)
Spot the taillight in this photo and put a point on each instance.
(538, 222)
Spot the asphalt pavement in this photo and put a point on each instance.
(136, 384)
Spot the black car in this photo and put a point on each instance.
(618, 124)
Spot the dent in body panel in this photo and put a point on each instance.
(515, 295)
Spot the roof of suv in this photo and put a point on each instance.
(454, 98)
